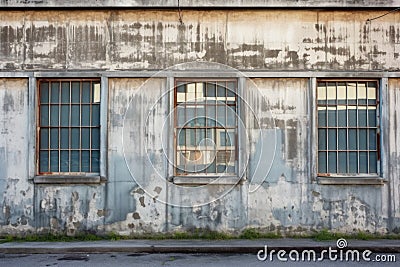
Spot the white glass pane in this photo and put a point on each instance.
(96, 93)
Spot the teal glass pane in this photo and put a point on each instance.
(363, 162)
(64, 115)
(44, 138)
(221, 91)
(75, 138)
(362, 117)
(54, 138)
(190, 115)
(85, 119)
(352, 139)
(55, 92)
(75, 160)
(372, 117)
(180, 112)
(221, 168)
(64, 161)
(342, 157)
(332, 138)
(85, 161)
(211, 167)
(44, 115)
(75, 92)
(322, 139)
(86, 92)
(190, 137)
(342, 116)
(95, 161)
(353, 162)
(231, 138)
(95, 138)
(65, 95)
(44, 161)
(352, 119)
(322, 116)
(363, 137)
(221, 115)
(54, 161)
(372, 139)
(200, 116)
(181, 137)
(331, 117)
(85, 142)
(64, 138)
(342, 139)
(44, 92)
(75, 115)
(210, 114)
(322, 164)
(332, 162)
(54, 115)
(230, 116)
(373, 162)
(95, 115)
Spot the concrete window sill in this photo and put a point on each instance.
(332, 180)
(68, 179)
(202, 180)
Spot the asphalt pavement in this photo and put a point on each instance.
(196, 246)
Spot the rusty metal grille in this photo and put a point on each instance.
(348, 127)
(205, 126)
(69, 126)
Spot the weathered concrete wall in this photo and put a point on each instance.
(146, 39)
(16, 193)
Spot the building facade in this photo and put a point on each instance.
(164, 116)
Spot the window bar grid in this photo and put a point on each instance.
(69, 126)
(90, 126)
(80, 127)
(59, 126)
(49, 128)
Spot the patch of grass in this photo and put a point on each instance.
(252, 233)
(325, 235)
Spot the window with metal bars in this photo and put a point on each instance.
(205, 127)
(69, 126)
(348, 127)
